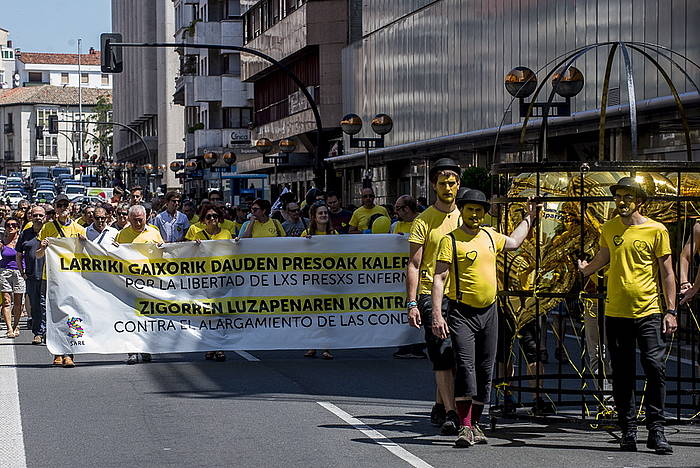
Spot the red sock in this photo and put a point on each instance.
(464, 411)
(477, 409)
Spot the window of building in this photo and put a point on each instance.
(64, 78)
(105, 80)
(35, 77)
(237, 117)
(2, 77)
(8, 54)
(48, 146)
(84, 78)
(232, 64)
(42, 116)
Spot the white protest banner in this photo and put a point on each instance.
(343, 291)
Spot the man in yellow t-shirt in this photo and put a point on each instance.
(61, 226)
(261, 225)
(427, 230)
(138, 232)
(406, 208)
(359, 221)
(639, 254)
(467, 257)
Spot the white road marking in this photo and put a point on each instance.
(247, 356)
(12, 446)
(392, 447)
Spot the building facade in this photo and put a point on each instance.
(307, 36)
(23, 109)
(438, 67)
(7, 60)
(143, 93)
(37, 69)
(217, 105)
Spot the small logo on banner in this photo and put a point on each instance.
(75, 330)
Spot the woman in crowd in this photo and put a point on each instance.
(12, 283)
(319, 225)
(261, 225)
(212, 216)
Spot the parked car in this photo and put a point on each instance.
(44, 196)
(13, 197)
(74, 190)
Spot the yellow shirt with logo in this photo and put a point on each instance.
(360, 217)
(222, 234)
(150, 235)
(633, 273)
(270, 228)
(476, 262)
(194, 228)
(49, 230)
(428, 230)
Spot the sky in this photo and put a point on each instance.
(55, 25)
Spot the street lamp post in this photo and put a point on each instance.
(381, 125)
(286, 147)
(220, 163)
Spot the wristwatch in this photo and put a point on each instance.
(673, 312)
(411, 304)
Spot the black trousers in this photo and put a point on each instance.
(474, 334)
(624, 335)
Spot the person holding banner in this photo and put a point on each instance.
(261, 225)
(467, 256)
(213, 217)
(138, 232)
(173, 224)
(98, 232)
(319, 225)
(426, 232)
(33, 268)
(61, 226)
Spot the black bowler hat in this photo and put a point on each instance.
(445, 164)
(473, 196)
(631, 184)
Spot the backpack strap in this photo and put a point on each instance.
(493, 244)
(59, 228)
(458, 293)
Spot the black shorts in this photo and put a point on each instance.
(439, 351)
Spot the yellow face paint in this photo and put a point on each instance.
(446, 188)
(473, 215)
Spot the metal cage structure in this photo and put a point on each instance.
(541, 279)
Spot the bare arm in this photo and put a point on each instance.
(19, 257)
(686, 255)
(439, 325)
(601, 258)
(41, 250)
(668, 283)
(248, 230)
(412, 273)
(520, 232)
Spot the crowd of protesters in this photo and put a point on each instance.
(448, 240)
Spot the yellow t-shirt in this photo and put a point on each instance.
(271, 228)
(428, 230)
(222, 234)
(401, 227)
(476, 262)
(634, 285)
(195, 219)
(194, 228)
(150, 235)
(360, 217)
(81, 221)
(306, 233)
(49, 230)
(237, 226)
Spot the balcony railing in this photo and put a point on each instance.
(9, 128)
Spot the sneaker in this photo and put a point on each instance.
(437, 415)
(57, 360)
(465, 438)
(628, 441)
(543, 407)
(36, 340)
(658, 443)
(478, 435)
(68, 361)
(146, 357)
(133, 358)
(451, 424)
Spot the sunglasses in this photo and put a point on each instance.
(37, 215)
(212, 216)
(12, 225)
(294, 211)
(62, 205)
(123, 213)
(100, 218)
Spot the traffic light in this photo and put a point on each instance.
(111, 57)
(39, 135)
(53, 124)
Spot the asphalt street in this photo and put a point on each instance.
(272, 409)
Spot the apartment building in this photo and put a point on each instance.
(7, 60)
(71, 70)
